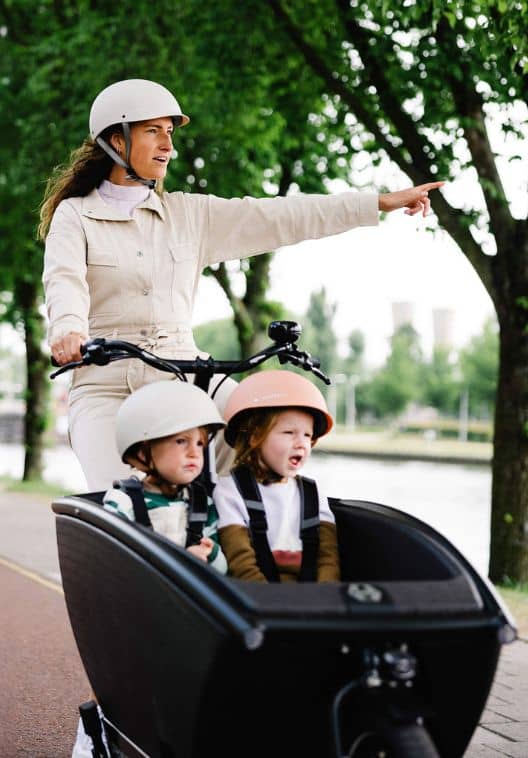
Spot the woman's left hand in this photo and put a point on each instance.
(414, 200)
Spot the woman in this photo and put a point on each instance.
(123, 258)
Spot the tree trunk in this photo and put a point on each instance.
(509, 521)
(36, 381)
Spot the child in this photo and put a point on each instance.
(273, 524)
(162, 430)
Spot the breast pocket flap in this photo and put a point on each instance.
(97, 256)
(181, 252)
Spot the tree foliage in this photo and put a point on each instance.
(438, 89)
(479, 362)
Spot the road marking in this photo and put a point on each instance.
(32, 575)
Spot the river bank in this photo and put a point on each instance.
(390, 445)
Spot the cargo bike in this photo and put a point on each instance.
(396, 660)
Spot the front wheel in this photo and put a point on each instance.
(394, 741)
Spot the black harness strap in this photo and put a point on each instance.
(258, 526)
(134, 490)
(309, 528)
(197, 513)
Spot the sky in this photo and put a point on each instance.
(403, 260)
(365, 271)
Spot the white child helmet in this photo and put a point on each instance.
(161, 409)
(128, 101)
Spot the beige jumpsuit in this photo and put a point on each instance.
(135, 278)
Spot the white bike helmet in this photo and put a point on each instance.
(124, 103)
(161, 409)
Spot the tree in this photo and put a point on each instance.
(438, 89)
(219, 339)
(399, 381)
(479, 367)
(318, 336)
(440, 386)
(54, 59)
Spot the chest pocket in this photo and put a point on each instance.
(102, 276)
(184, 264)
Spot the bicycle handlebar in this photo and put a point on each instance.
(284, 334)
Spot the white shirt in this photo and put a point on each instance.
(282, 506)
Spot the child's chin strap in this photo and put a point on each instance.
(309, 530)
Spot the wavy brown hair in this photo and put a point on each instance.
(86, 169)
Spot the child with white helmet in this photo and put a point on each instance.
(162, 430)
(275, 525)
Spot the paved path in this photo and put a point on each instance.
(42, 680)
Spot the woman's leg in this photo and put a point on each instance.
(224, 455)
(95, 397)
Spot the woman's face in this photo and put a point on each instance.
(150, 152)
(288, 443)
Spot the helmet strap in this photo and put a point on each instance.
(114, 155)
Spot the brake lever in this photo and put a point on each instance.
(303, 360)
(66, 367)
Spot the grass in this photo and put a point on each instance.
(32, 487)
(516, 598)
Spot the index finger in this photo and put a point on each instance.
(430, 186)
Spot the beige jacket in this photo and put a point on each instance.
(106, 274)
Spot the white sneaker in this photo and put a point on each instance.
(83, 746)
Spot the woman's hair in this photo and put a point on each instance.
(253, 430)
(87, 167)
(142, 451)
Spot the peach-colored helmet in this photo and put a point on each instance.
(275, 389)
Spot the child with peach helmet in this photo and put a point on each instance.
(275, 525)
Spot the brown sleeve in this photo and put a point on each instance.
(241, 558)
(328, 559)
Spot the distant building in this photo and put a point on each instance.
(402, 314)
(443, 327)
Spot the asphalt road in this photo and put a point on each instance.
(42, 678)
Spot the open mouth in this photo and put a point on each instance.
(295, 460)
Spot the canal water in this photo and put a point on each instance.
(453, 498)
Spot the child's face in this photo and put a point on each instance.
(289, 443)
(179, 458)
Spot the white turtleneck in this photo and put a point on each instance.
(125, 199)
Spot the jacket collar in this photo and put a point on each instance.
(94, 206)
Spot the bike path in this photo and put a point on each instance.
(43, 681)
(41, 674)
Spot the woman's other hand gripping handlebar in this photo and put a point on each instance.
(68, 348)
